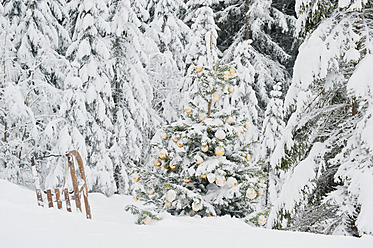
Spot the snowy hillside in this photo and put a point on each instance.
(24, 224)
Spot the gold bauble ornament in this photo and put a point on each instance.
(239, 132)
(228, 120)
(168, 204)
(187, 180)
(246, 126)
(175, 139)
(196, 207)
(225, 76)
(198, 69)
(232, 182)
(220, 134)
(135, 198)
(219, 151)
(251, 193)
(261, 181)
(248, 157)
(199, 160)
(203, 176)
(188, 110)
(202, 117)
(166, 167)
(211, 177)
(262, 220)
(136, 178)
(180, 144)
(232, 71)
(230, 89)
(163, 154)
(205, 148)
(220, 180)
(157, 163)
(260, 191)
(171, 195)
(147, 220)
(164, 137)
(215, 97)
(151, 191)
(173, 166)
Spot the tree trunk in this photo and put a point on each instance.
(247, 31)
(267, 186)
(209, 109)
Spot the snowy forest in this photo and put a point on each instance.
(255, 109)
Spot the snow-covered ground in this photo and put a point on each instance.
(24, 224)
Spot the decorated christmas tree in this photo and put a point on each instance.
(202, 163)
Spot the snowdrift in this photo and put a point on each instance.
(24, 224)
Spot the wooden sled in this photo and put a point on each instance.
(55, 196)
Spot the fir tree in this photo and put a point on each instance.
(273, 128)
(89, 54)
(168, 30)
(167, 64)
(33, 78)
(201, 164)
(322, 139)
(132, 91)
(203, 41)
(258, 37)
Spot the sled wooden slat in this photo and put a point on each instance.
(49, 197)
(67, 200)
(58, 198)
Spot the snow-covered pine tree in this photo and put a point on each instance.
(132, 92)
(273, 128)
(13, 111)
(258, 37)
(263, 41)
(168, 30)
(33, 79)
(89, 54)
(200, 18)
(201, 164)
(4, 26)
(167, 64)
(323, 150)
(202, 47)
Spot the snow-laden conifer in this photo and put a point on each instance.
(271, 59)
(323, 150)
(167, 65)
(133, 117)
(34, 77)
(91, 72)
(273, 128)
(202, 164)
(168, 30)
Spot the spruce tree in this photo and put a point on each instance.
(167, 65)
(273, 128)
(324, 191)
(200, 17)
(263, 42)
(91, 70)
(34, 76)
(201, 164)
(132, 91)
